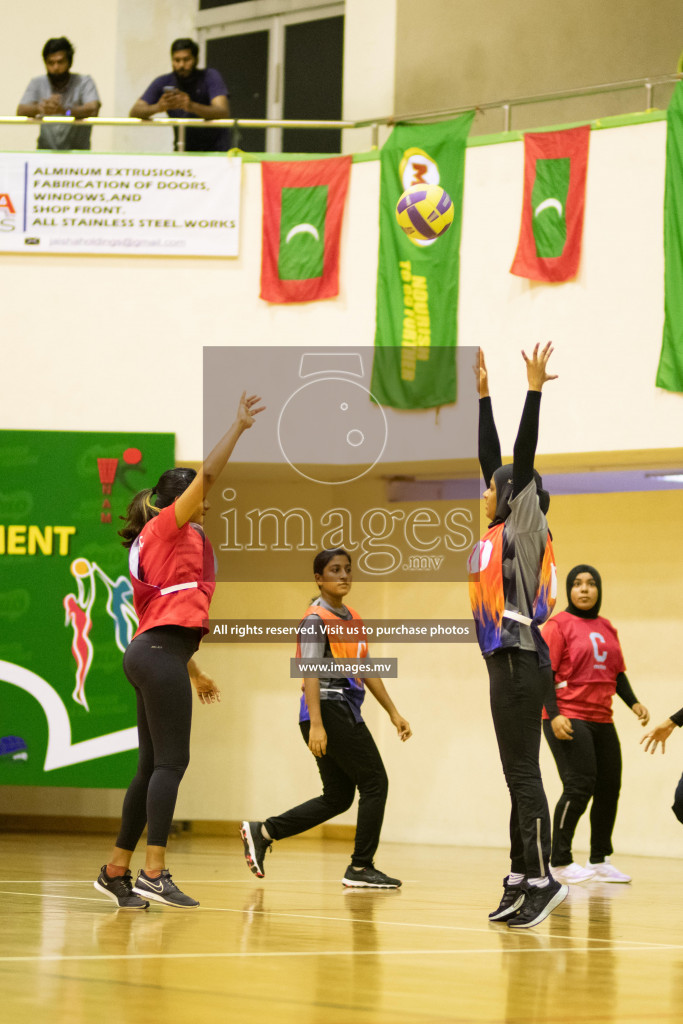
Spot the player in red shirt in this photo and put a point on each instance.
(172, 572)
(589, 669)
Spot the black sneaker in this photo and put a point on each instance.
(368, 878)
(538, 904)
(255, 846)
(120, 890)
(164, 890)
(512, 900)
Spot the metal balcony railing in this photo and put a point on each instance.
(646, 86)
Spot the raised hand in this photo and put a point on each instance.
(247, 410)
(481, 375)
(536, 366)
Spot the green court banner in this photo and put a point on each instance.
(670, 369)
(418, 279)
(67, 712)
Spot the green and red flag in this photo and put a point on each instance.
(303, 205)
(418, 281)
(555, 165)
(670, 369)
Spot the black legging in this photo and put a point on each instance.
(352, 760)
(589, 766)
(678, 801)
(155, 663)
(517, 684)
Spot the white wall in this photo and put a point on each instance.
(455, 53)
(606, 325)
(369, 59)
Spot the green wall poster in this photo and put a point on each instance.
(67, 712)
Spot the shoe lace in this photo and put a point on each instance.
(166, 875)
(122, 885)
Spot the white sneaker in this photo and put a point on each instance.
(607, 872)
(572, 873)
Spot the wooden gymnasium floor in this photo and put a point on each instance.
(296, 947)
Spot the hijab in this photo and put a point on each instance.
(503, 481)
(583, 613)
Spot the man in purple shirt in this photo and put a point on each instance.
(189, 91)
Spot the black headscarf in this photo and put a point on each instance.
(503, 481)
(582, 613)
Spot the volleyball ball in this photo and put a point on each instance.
(424, 212)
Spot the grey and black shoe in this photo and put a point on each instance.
(163, 890)
(255, 846)
(120, 890)
(368, 878)
(511, 902)
(539, 903)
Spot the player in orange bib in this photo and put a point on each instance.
(512, 590)
(660, 734)
(334, 731)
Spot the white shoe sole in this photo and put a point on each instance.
(245, 832)
(162, 899)
(348, 884)
(613, 881)
(111, 896)
(564, 880)
(597, 877)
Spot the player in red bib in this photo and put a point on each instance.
(335, 733)
(172, 572)
(588, 668)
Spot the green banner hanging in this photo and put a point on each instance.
(418, 281)
(670, 370)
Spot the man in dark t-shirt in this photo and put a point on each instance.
(189, 91)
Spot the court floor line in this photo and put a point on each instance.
(279, 954)
(613, 944)
(185, 882)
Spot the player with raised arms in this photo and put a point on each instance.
(172, 572)
(512, 590)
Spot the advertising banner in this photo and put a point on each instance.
(143, 205)
(67, 712)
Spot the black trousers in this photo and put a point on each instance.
(516, 689)
(678, 801)
(589, 766)
(352, 762)
(155, 664)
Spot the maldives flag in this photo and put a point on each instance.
(303, 205)
(555, 165)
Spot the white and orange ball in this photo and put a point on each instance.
(424, 212)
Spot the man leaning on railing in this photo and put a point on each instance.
(62, 94)
(189, 91)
